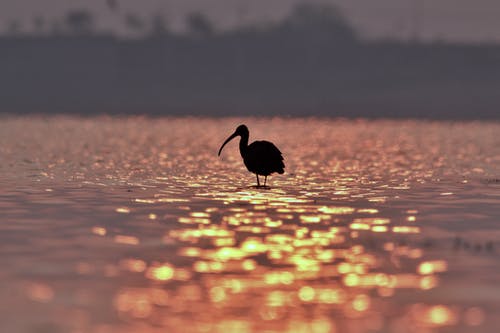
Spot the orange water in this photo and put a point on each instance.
(135, 225)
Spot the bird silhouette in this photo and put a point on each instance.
(260, 157)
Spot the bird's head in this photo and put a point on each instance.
(241, 130)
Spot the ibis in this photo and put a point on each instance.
(260, 157)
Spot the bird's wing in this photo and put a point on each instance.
(264, 158)
(265, 147)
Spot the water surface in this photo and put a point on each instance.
(135, 225)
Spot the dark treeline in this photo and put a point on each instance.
(312, 63)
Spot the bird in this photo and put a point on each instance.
(260, 157)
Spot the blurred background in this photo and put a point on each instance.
(348, 58)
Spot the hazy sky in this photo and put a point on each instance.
(465, 20)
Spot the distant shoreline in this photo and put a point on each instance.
(308, 65)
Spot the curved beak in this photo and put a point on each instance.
(227, 140)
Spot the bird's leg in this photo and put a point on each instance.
(265, 180)
(258, 183)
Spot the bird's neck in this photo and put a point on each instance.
(243, 144)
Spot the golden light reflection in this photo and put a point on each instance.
(271, 254)
(99, 231)
(160, 272)
(306, 294)
(431, 267)
(406, 229)
(440, 315)
(368, 210)
(336, 210)
(217, 294)
(123, 210)
(428, 282)
(361, 303)
(352, 280)
(380, 228)
(128, 240)
(349, 239)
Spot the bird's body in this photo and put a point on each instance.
(263, 158)
(260, 157)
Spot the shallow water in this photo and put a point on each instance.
(135, 225)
